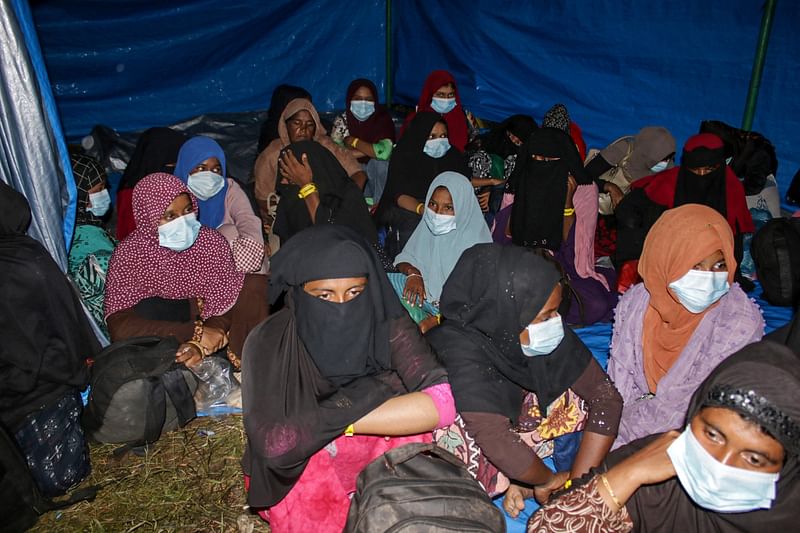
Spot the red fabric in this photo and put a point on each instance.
(628, 276)
(661, 189)
(141, 268)
(320, 499)
(703, 140)
(577, 137)
(377, 127)
(457, 131)
(125, 222)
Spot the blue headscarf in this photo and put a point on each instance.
(192, 153)
(436, 255)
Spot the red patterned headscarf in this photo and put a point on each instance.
(141, 268)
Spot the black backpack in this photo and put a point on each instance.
(775, 249)
(420, 487)
(138, 391)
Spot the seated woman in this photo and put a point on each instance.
(558, 117)
(331, 198)
(47, 339)
(281, 96)
(299, 122)
(222, 203)
(511, 360)
(453, 223)
(555, 207)
(156, 151)
(366, 128)
(423, 153)
(333, 380)
(732, 468)
(687, 316)
(174, 277)
(440, 95)
(92, 246)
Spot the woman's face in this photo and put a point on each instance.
(301, 126)
(549, 310)
(363, 93)
(702, 171)
(180, 206)
(439, 131)
(516, 141)
(537, 157)
(338, 290)
(736, 442)
(441, 202)
(713, 263)
(445, 91)
(211, 164)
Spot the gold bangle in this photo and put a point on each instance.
(607, 485)
(198, 346)
(420, 208)
(349, 431)
(306, 190)
(569, 212)
(354, 143)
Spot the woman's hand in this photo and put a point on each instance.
(428, 323)
(483, 200)
(514, 499)
(213, 339)
(571, 186)
(296, 172)
(651, 464)
(188, 354)
(414, 290)
(614, 191)
(542, 492)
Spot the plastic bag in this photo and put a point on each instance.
(217, 383)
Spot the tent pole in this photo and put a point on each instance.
(389, 77)
(758, 64)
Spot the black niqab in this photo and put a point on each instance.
(155, 149)
(497, 141)
(709, 190)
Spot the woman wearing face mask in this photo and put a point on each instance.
(92, 246)
(687, 316)
(222, 204)
(299, 122)
(423, 153)
(440, 95)
(733, 468)
(367, 130)
(511, 361)
(555, 208)
(175, 277)
(336, 378)
(452, 222)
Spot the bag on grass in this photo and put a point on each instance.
(775, 249)
(420, 487)
(138, 392)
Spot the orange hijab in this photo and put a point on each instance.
(681, 238)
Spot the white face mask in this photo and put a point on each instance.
(179, 234)
(436, 148)
(205, 184)
(715, 486)
(362, 109)
(658, 167)
(443, 105)
(439, 224)
(100, 201)
(698, 290)
(544, 337)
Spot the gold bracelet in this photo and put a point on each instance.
(607, 485)
(198, 346)
(420, 208)
(306, 190)
(354, 143)
(349, 431)
(569, 212)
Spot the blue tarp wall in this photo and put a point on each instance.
(617, 65)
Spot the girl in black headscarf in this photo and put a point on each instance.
(46, 342)
(733, 468)
(501, 339)
(415, 163)
(343, 357)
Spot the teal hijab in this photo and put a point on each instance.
(436, 255)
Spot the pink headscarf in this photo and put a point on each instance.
(585, 201)
(141, 268)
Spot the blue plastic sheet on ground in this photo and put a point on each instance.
(617, 66)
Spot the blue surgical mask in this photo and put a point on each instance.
(698, 290)
(179, 234)
(100, 201)
(439, 224)
(544, 337)
(658, 167)
(443, 105)
(205, 184)
(436, 147)
(362, 109)
(715, 486)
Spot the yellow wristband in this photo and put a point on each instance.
(349, 431)
(569, 212)
(607, 485)
(568, 484)
(354, 142)
(305, 190)
(420, 208)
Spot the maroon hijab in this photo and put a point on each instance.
(378, 126)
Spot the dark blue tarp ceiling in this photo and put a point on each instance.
(617, 65)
